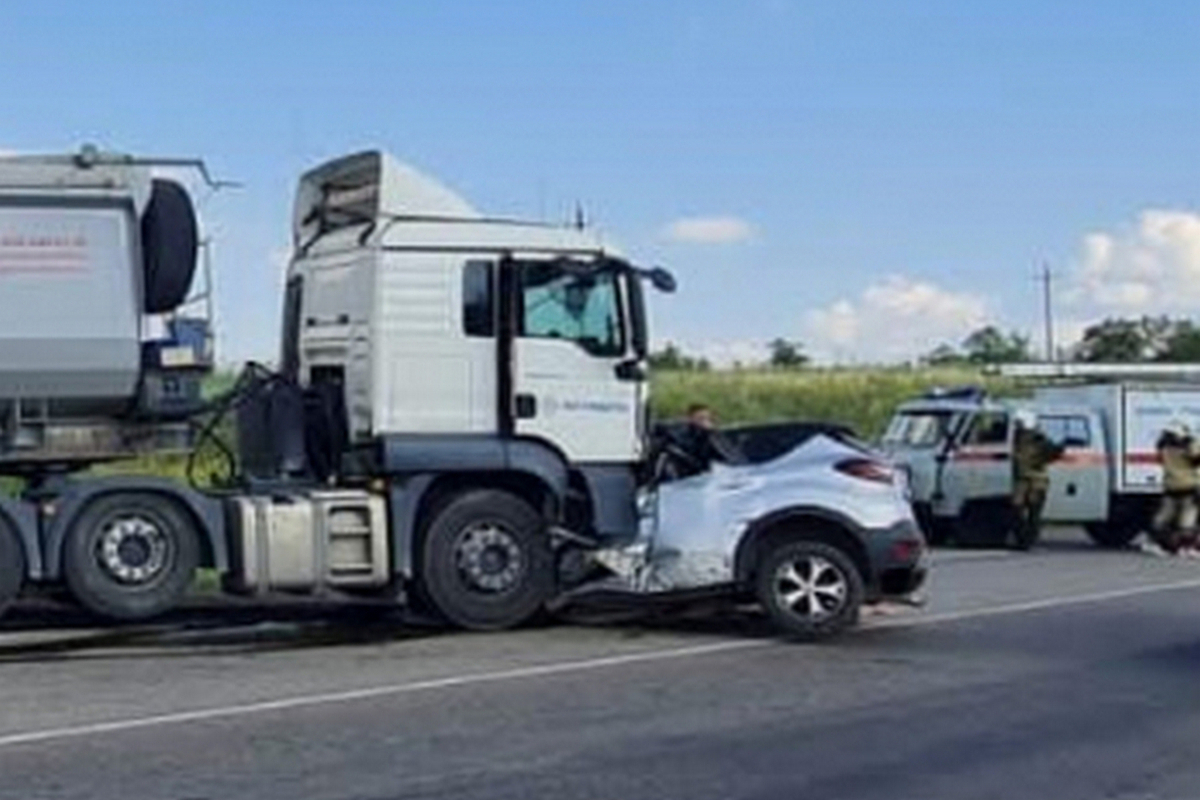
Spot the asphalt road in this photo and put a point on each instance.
(1065, 673)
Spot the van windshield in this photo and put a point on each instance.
(919, 428)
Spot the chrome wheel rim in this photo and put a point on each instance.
(811, 587)
(488, 559)
(133, 549)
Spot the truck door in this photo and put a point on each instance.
(980, 465)
(1079, 488)
(573, 381)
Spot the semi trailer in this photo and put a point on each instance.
(458, 417)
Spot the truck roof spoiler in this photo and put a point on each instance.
(1071, 371)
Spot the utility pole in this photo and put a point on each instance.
(1047, 279)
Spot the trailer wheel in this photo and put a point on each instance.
(130, 555)
(810, 589)
(12, 565)
(486, 561)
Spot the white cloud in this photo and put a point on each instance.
(280, 258)
(895, 319)
(709, 230)
(1150, 268)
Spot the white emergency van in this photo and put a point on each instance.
(956, 446)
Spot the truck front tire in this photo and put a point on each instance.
(130, 555)
(486, 562)
(12, 566)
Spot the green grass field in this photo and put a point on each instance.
(864, 398)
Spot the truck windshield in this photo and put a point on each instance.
(559, 301)
(919, 428)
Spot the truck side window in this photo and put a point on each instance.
(289, 359)
(989, 428)
(580, 306)
(1068, 431)
(479, 304)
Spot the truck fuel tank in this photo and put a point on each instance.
(308, 541)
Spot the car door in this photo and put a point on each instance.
(1078, 490)
(980, 464)
(573, 381)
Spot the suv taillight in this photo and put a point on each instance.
(867, 469)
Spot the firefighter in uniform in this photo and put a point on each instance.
(1174, 526)
(1033, 454)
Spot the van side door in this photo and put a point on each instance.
(979, 465)
(1079, 481)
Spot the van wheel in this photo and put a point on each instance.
(1112, 535)
(810, 589)
(130, 556)
(1125, 521)
(12, 566)
(486, 561)
(988, 522)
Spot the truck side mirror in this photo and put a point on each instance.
(662, 280)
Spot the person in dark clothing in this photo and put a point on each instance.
(701, 416)
(1033, 454)
(704, 443)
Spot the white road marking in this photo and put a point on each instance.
(948, 556)
(1032, 605)
(520, 673)
(305, 701)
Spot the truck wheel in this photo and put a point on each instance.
(810, 589)
(12, 565)
(130, 556)
(486, 562)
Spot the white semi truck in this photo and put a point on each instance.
(957, 447)
(459, 416)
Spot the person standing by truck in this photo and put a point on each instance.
(1174, 527)
(1033, 453)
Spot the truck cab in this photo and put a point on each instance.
(459, 339)
(464, 363)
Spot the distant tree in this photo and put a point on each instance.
(1123, 341)
(1182, 343)
(944, 355)
(990, 345)
(786, 354)
(672, 359)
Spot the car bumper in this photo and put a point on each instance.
(899, 559)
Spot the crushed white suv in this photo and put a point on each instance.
(804, 517)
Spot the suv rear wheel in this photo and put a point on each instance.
(810, 589)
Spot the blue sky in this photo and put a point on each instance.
(870, 177)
